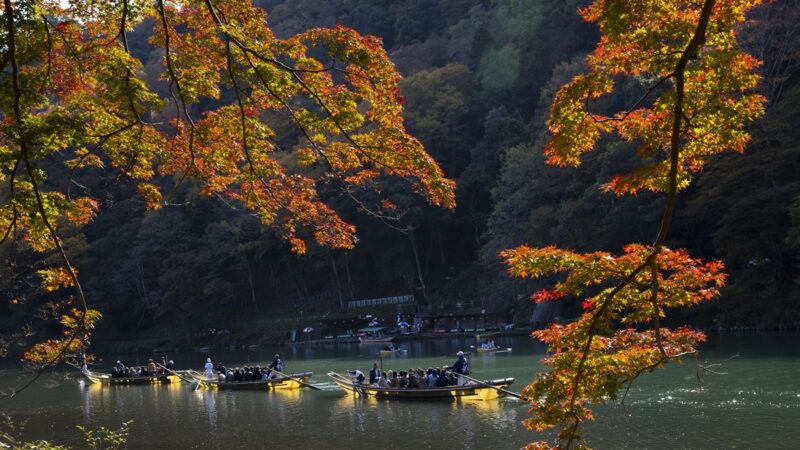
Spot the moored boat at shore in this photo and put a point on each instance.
(486, 391)
(107, 379)
(289, 382)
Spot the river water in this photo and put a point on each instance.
(755, 404)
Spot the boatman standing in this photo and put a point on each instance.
(461, 367)
(374, 374)
(275, 366)
(209, 373)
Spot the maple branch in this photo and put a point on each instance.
(174, 79)
(80, 329)
(689, 52)
(296, 120)
(49, 52)
(319, 101)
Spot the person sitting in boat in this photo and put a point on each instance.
(394, 381)
(209, 372)
(359, 377)
(229, 376)
(442, 379)
(120, 367)
(461, 367)
(413, 382)
(277, 366)
(383, 381)
(220, 368)
(374, 374)
(431, 379)
(151, 367)
(170, 365)
(221, 377)
(403, 380)
(114, 372)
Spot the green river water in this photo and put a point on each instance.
(756, 404)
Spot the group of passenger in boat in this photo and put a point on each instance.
(150, 370)
(417, 378)
(221, 374)
(489, 345)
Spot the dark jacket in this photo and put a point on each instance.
(374, 374)
(461, 366)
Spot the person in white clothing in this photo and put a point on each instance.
(209, 373)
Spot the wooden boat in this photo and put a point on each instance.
(488, 335)
(373, 335)
(493, 350)
(472, 390)
(106, 378)
(258, 385)
(374, 339)
(387, 353)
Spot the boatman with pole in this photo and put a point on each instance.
(461, 367)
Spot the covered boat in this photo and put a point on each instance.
(106, 378)
(485, 391)
(258, 385)
(371, 335)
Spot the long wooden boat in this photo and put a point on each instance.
(375, 339)
(258, 385)
(106, 378)
(493, 350)
(387, 353)
(488, 335)
(473, 390)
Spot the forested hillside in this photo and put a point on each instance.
(479, 77)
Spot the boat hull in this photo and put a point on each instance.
(493, 350)
(260, 385)
(388, 353)
(472, 390)
(107, 379)
(375, 340)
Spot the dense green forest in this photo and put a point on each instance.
(479, 77)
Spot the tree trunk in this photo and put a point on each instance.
(349, 280)
(416, 261)
(335, 275)
(252, 288)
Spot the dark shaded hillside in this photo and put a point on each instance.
(479, 77)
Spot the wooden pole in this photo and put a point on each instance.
(505, 391)
(177, 374)
(297, 380)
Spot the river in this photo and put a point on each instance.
(754, 404)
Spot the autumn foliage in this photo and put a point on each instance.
(74, 94)
(697, 97)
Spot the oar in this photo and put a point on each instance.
(176, 374)
(505, 391)
(197, 386)
(297, 380)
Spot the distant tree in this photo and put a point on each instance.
(688, 56)
(74, 94)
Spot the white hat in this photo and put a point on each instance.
(118, 362)
(460, 353)
(208, 360)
